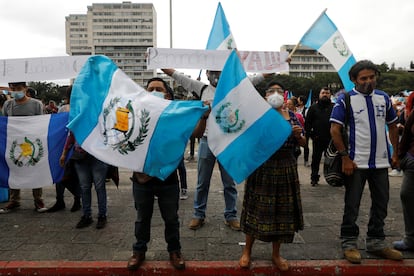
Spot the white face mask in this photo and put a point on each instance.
(276, 100)
(18, 95)
(158, 94)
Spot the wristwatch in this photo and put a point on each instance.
(343, 153)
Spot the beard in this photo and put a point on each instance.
(366, 88)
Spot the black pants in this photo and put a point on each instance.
(319, 147)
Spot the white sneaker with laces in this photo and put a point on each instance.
(395, 172)
(183, 194)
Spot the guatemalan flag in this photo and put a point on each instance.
(118, 122)
(324, 37)
(30, 148)
(243, 129)
(220, 37)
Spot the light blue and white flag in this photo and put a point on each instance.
(220, 37)
(324, 37)
(243, 129)
(30, 148)
(120, 123)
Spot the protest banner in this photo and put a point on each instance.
(253, 61)
(41, 68)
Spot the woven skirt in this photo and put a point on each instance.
(272, 207)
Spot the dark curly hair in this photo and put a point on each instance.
(361, 65)
(167, 87)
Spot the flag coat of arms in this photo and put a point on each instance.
(30, 148)
(243, 129)
(120, 123)
(220, 37)
(324, 37)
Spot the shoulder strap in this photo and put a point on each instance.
(347, 107)
(202, 90)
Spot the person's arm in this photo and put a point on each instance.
(393, 133)
(407, 137)
(168, 71)
(70, 140)
(189, 84)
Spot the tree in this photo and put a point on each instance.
(47, 91)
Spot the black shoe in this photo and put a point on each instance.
(101, 222)
(314, 183)
(84, 222)
(59, 205)
(76, 205)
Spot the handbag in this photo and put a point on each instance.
(332, 165)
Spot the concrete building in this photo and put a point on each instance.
(306, 62)
(121, 31)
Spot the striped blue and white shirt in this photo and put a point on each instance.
(368, 139)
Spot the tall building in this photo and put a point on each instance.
(121, 31)
(306, 62)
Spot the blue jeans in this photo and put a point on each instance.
(206, 162)
(354, 186)
(168, 197)
(91, 170)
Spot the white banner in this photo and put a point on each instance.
(40, 69)
(264, 62)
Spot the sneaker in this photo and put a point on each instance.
(183, 194)
(12, 205)
(190, 158)
(388, 253)
(352, 255)
(402, 245)
(233, 224)
(101, 222)
(307, 164)
(396, 172)
(196, 223)
(40, 206)
(84, 222)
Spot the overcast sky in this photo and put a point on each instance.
(379, 30)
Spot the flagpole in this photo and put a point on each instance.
(171, 40)
(297, 45)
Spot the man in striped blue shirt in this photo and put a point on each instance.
(366, 156)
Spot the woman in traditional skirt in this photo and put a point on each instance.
(272, 208)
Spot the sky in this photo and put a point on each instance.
(377, 30)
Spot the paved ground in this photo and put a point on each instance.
(30, 236)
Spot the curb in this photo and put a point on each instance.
(113, 268)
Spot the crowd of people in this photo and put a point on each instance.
(380, 135)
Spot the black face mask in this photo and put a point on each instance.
(213, 78)
(365, 88)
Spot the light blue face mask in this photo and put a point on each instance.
(158, 94)
(18, 95)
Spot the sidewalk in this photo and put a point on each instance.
(49, 243)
